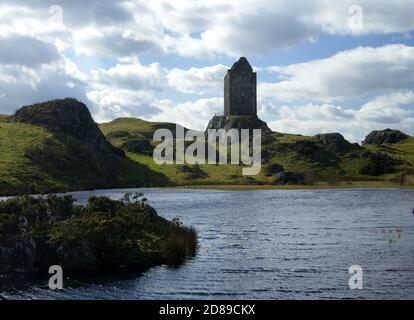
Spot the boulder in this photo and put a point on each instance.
(334, 141)
(292, 178)
(385, 136)
(235, 122)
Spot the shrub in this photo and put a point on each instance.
(274, 168)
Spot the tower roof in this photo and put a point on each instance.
(242, 64)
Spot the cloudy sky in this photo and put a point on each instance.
(323, 66)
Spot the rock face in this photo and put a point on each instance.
(20, 257)
(66, 116)
(77, 256)
(227, 123)
(385, 136)
(334, 141)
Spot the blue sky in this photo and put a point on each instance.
(323, 65)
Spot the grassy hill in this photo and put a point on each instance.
(325, 158)
(56, 146)
(18, 172)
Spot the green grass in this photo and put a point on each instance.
(286, 138)
(35, 160)
(216, 174)
(322, 164)
(403, 150)
(65, 163)
(16, 170)
(131, 125)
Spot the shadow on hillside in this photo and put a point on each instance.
(139, 175)
(64, 164)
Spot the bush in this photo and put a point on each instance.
(378, 164)
(273, 169)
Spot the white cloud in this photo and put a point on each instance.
(113, 103)
(117, 29)
(388, 110)
(21, 85)
(191, 114)
(379, 16)
(23, 50)
(131, 76)
(350, 74)
(132, 90)
(395, 111)
(259, 26)
(198, 80)
(123, 30)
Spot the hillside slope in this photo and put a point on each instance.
(321, 158)
(56, 146)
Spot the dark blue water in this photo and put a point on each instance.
(269, 244)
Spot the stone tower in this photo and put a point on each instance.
(240, 90)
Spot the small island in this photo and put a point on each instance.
(103, 235)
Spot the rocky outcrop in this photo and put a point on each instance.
(334, 141)
(72, 154)
(234, 122)
(68, 117)
(385, 136)
(292, 178)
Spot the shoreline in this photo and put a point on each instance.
(316, 186)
